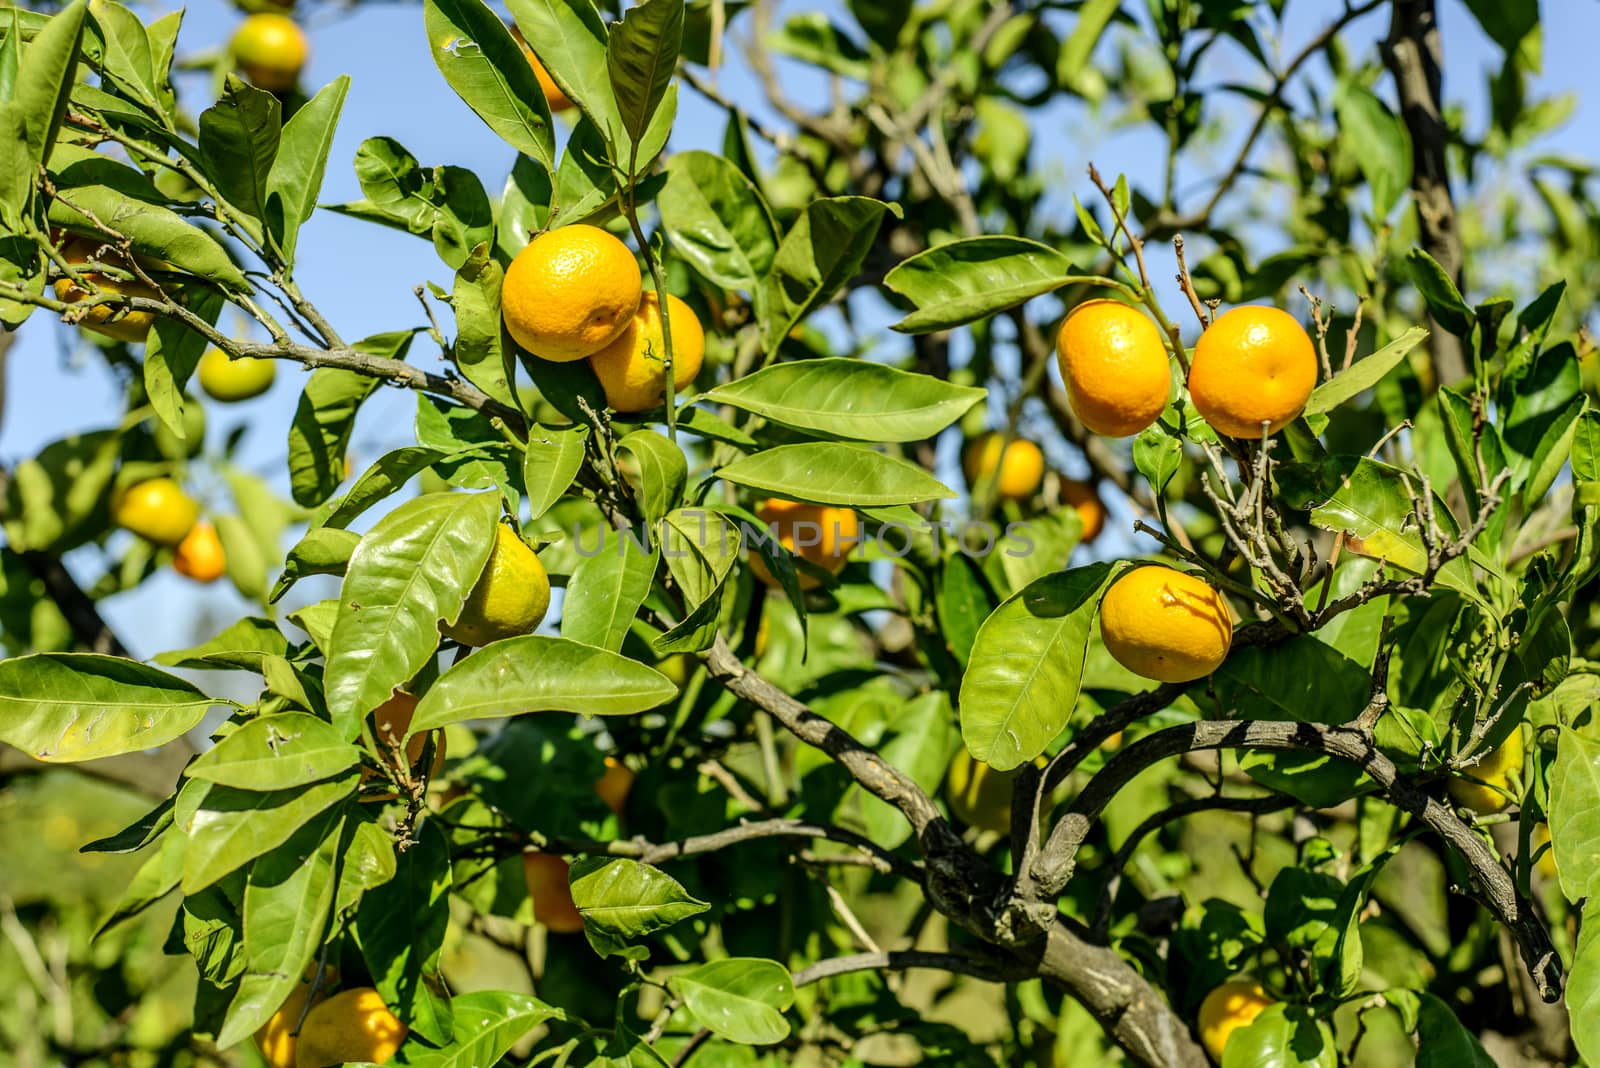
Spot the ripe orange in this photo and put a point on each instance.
(614, 784)
(1091, 510)
(353, 1025)
(1114, 364)
(1165, 625)
(156, 510)
(570, 292)
(821, 534)
(226, 379)
(1226, 1009)
(1021, 465)
(1252, 365)
(510, 598)
(1494, 769)
(558, 100)
(200, 554)
(271, 50)
(632, 369)
(276, 1038)
(392, 719)
(549, 886)
(116, 323)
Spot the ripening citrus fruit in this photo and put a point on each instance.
(270, 50)
(1091, 510)
(194, 432)
(353, 1025)
(226, 379)
(276, 1039)
(614, 784)
(1114, 365)
(978, 794)
(1226, 1009)
(200, 554)
(1165, 625)
(1021, 465)
(1539, 839)
(633, 368)
(1495, 771)
(550, 889)
(557, 100)
(1252, 365)
(819, 533)
(391, 720)
(109, 320)
(510, 598)
(157, 510)
(570, 292)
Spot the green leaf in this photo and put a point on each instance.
(569, 38)
(295, 181)
(487, 1024)
(536, 673)
(323, 551)
(974, 278)
(823, 250)
(606, 590)
(463, 217)
(661, 473)
(1363, 374)
(1093, 18)
(850, 399)
(44, 80)
(157, 877)
(155, 232)
(366, 860)
(171, 353)
(240, 645)
(1026, 668)
(384, 478)
(1507, 22)
(1378, 142)
(479, 350)
(126, 59)
(716, 220)
(485, 66)
(319, 437)
(1443, 1041)
(1583, 985)
(414, 568)
(829, 473)
(1439, 291)
(641, 57)
(622, 900)
(553, 458)
(1575, 814)
(741, 999)
(287, 898)
(239, 143)
(227, 828)
(246, 563)
(920, 738)
(58, 499)
(401, 927)
(66, 707)
(1283, 1036)
(276, 753)
(138, 834)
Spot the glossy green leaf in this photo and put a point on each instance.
(641, 57)
(822, 250)
(1363, 374)
(1443, 1041)
(295, 181)
(536, 673)
(66, 707)
(569, 38)
(1583, 986)
(1575, 814)
(829, 473)
(385, 477)
(716, 220)
(485, 66)
(487, 1024)
(1283, 1036)
(171, 353)
(622, 900)
(138, 834)
(366, 860)
(239, 141)
(1378, 142)
(276, 753)
(44, 79)
(972, 279)
(1439, 291)
(851, 399)
(401, 927)
(413, 569)
(126, 60)
(155, 232)
(741, 999)
(228, 828)
(480, 353)
(319, 437)
(661, 472)
(553, 458)
(157, 877)
(1026, 669)
(606, 590)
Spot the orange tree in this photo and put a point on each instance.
(1298, 768)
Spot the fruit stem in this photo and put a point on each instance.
(660, 282)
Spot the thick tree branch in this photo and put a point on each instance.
(995, 971)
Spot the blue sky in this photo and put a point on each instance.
(362, 276)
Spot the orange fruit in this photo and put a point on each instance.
(276, 1038)
(157, 510)
(979, 795)
(1538, 839)
(510, 598)
(1114, 364)
(1252, 365)
(1021, 465)
(1091, 510)
(352, 1026)
(548, 884)
(1226, 1009)
(633, 368)
(226, 379)
(614, 784)
(822, 534)
(109, 320)
(1165, 625)
(558, 100)
(570, 292)
(391, 720)
(200, 554)
(270, 50)
(1494, 769)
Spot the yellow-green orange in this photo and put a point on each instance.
(821, 534)
(270, 50)
(1495, 772)
(276, 1038)
(353, 1025)
(550, 888)
(1165, 625)
(1021, 465)
(1226, 1009)
(633, 368)
(109, 320)
(1252, 366)
(226, 379)
(614, 783)
(157, 510)
(978, 794)
(1114, 366)
(510, 597)
(570, 292)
